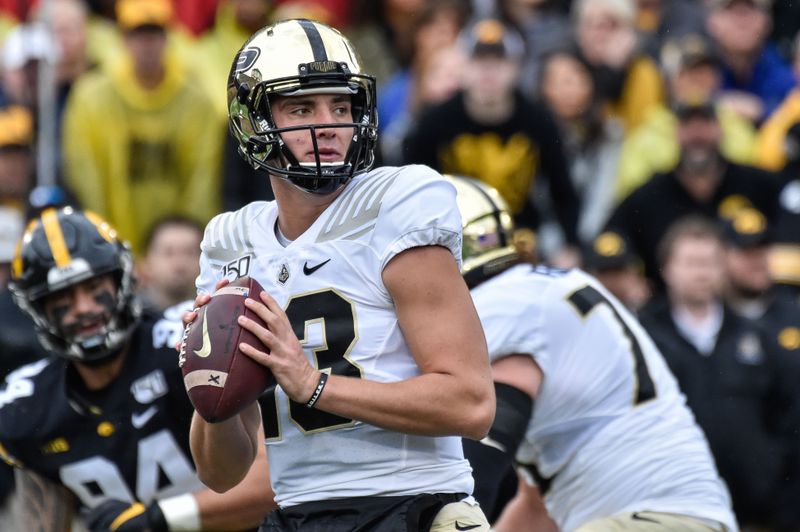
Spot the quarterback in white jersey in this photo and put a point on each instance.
(326, 282)
(370, 330)
(610, 435)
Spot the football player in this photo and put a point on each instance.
(371, 333)
(586, 406)
(103, 425)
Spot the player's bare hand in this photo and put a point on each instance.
(201, 300)
(286, 358)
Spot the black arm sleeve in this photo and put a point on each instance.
(492, 458)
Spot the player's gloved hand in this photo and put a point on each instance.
(123, 516)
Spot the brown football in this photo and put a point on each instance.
(219, 378)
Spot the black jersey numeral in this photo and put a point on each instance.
(586, 299)
(334, 316)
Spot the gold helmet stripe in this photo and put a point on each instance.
(102, 226)
(55, 238)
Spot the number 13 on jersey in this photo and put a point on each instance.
(326, 319)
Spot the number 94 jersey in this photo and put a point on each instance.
(129, 441)
(329, 283)
(610, 430)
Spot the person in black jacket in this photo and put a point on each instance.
(703, 183)
(732, 381)
(491, 132)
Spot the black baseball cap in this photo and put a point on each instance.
(608, 251)
(492, 37)
(747, 228)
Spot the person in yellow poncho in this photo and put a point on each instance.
(693, 73)
(138, 140)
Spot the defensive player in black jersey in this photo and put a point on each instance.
(103, 426)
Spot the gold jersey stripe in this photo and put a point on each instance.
(55, 238)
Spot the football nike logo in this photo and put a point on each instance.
(459, 526)
(309, 270)
(205, 349)
(140, 420)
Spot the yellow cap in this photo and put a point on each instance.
(16, 126)
(133, 14)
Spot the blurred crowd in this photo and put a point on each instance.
(655, 143)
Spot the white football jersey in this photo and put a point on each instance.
(610, 428)
(329, 282)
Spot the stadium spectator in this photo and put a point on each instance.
(704, 182)
(436, 27)
(545, 26)
(382, 32)
(490, 131)
(756, 78)
(627, 79)
(169, 266)
(591, 140)
(16, 157)
(102, 425)
(609, 259)
(692, 71)
(734, 385)
(170, 263)
(658, 21)
(138, 142)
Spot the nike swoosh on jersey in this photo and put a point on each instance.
(205, 349)
(309, 270)
(140, 420)
(459, 526)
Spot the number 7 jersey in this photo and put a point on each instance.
(329, 281)
(610, 431)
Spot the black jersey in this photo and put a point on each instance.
(130, 441)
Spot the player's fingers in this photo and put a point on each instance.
(189, 316)
(222, 282)
(270, 302)
(256, 354)
(260, 332)
(261, 310)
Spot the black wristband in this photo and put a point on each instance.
(323, 378)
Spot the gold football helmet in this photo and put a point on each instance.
(291, 58)
(487, 226)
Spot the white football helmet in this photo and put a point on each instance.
(487, 227)
(295, 57)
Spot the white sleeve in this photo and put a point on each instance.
(210, 273)
(418, 210)
(511, 325)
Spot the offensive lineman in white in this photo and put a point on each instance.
(372, 335)
(606, 437)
